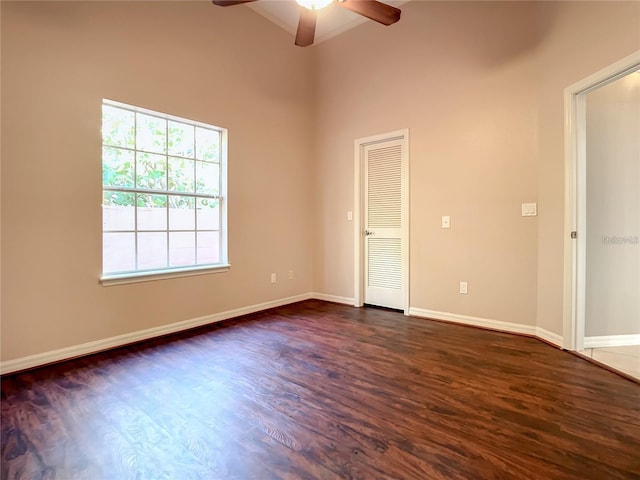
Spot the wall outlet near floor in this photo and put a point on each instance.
(273, 278)
(290, 274)
(463, 288)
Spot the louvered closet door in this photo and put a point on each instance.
(383, 224)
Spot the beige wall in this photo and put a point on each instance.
(480, 86)
(188, 59)
(462, 78)
(613, 208)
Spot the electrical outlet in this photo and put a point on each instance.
(463, 288)
(290, 274)
(273, 278)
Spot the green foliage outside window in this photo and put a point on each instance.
(152, 153)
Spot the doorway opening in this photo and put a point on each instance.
(602, 216)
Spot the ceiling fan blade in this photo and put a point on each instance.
(306, 27)
(228, 3)
(377, 11)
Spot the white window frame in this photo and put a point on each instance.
(108, 279)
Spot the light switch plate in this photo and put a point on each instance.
(529, 209)
(446, 221)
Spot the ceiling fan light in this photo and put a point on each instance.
(314, 4)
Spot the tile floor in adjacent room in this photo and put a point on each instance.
(626, 359)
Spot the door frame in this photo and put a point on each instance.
(358, 213)
(574, 285)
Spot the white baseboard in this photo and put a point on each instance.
(550, 337)
(333, 298)
(474, 321)
(612, 341)
(40, 359)
(67, 353)
(507, 327)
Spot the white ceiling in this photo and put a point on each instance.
(332, 20)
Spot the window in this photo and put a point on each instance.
(163, 202)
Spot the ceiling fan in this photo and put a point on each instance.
(372, 9)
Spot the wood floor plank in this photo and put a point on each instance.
(317, 390)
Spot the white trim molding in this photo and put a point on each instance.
(549, 337)
(612, 341)
(499, 325)
(507, 327)
(96, 346)
(137, 277)
(333, 298)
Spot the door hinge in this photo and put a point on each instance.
(574, 234)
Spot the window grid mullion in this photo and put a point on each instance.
(135, 184)
(219, 201)
(128, 149)
(184, 230)
(195, 234)
(159, 192)
(166, 178)
(195, 189)
(168, 256)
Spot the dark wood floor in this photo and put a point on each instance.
(318, 390)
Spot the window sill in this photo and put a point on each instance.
(137, 277)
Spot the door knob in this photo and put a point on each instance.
(368, 233)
